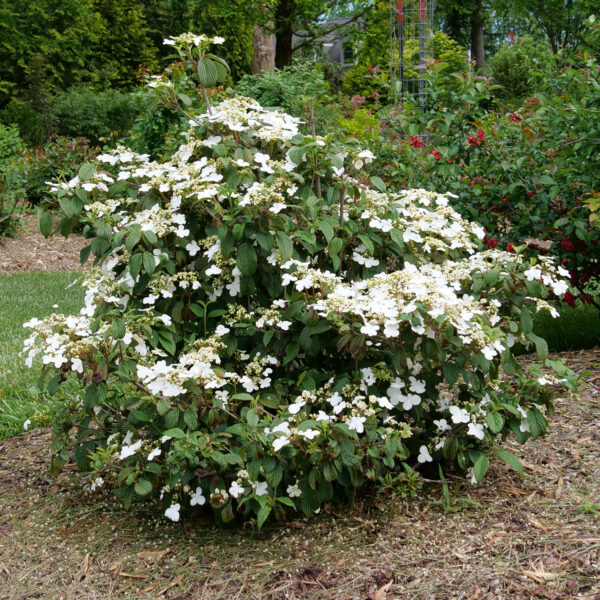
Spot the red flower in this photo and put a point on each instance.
(416, 141)
(526, 130)
(481, 134)
(436, 154)
(509, 247)
(504, 200)
(567, 244)
(491, 242)
(514, 118)
(569, 298)
(473, 140)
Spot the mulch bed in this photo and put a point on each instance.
(510, 538)
(30, 251)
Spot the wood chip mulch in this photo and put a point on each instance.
(30, 251)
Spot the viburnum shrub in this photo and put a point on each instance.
(268, 329)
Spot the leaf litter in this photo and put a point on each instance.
(513, 538)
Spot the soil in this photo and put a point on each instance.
(509, 538)
(30, 251)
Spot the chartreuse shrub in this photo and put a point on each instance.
(254, 342)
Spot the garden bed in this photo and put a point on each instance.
(510, 538)
(30, 251)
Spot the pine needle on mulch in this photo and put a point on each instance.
(510, 538)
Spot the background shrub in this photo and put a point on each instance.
(58, 160)
(86, 113)
(521, 67)
(12, 181)
(286, 88)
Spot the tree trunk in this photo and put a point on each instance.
(264, 49)
(477, 46)
(284, 26)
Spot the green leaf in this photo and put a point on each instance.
(246, 259)
(512, 460)
(190, 418)
(134, 236)
(175, 433)
(135, 264)
(495, 422)
(207, 73)
(86, 172)
(327, 230)
(285, 245)
(537, 422)
(265, 240)
(526, 321)
(143, 487)
(291, 351)
(162, 407)
(541, 347)
(451, 373)
(480, 467)
(287, 501)
(45, 219)
(149, 263)
(84, 254)
(67, 207)
(117, 329)
(262, 516)
(378, 183)
(335, 246)
(252, 417)
(397, 237)
(296, 154)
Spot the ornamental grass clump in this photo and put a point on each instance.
(267, 329)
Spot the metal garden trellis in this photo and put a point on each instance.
(411, 36)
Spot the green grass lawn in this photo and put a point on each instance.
(22, 297)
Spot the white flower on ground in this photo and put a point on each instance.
(198, 498)
(236, 490)
(424, 455)
(97, 484)
(173, 512)
(27, 424)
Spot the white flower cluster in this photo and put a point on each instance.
(246, 114)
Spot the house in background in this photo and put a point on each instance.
(335, 43)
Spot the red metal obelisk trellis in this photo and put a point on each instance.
(411, 31)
